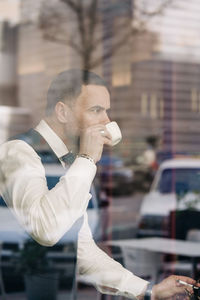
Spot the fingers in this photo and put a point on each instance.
(171, 286)
(185, 284)
(185, 279)
(92, 140)
(104, 133)
(107, 138)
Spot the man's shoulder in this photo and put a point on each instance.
(31, 137)
(15, 143)
(29, 143)
(30, 140)
(17, 158)
(15, 147)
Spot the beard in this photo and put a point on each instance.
(73, 141)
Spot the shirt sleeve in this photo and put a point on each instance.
(45, 214)
(99, 269)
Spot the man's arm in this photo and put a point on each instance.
(110, 277)
(45, 214)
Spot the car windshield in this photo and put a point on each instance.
(180, 181)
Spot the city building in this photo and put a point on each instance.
(154, 82)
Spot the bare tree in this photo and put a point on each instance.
(78, 24)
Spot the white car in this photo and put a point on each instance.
(12, 233)
(176, 186)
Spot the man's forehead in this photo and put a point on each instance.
(94, 95)
(94, 89)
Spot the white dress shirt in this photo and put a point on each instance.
(48, 214)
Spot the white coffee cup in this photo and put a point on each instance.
(115, 132)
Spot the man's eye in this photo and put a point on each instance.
(96, 110)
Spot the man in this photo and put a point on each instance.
(76, 115)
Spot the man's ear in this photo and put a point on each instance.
(61, 111)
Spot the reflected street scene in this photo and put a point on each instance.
(99, 149)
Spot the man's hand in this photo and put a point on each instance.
(92, 140)
(170, 287)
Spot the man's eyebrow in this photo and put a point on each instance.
(97, 106)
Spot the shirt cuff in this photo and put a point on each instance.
(132, 285)
(82, 166)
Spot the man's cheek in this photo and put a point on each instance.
(87, 122)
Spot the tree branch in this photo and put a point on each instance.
(71, 4)
(86, 22)
(68, 41)
(158, 11)
(112, 51)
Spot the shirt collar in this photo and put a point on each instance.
(56, 144)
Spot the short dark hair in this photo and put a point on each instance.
(67, 86)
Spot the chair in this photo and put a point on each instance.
(193, 235)
(184, 267)
(143, 263)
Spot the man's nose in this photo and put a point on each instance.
(105, 119)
